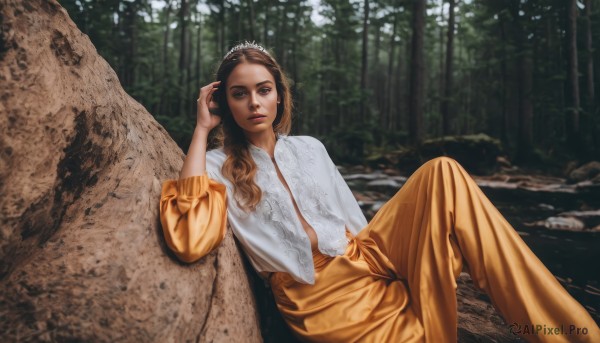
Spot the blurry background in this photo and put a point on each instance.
(385, 73)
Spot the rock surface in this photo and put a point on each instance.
(578, 221)
(82, 257)
(589, 171)
(479, 153)
(478, 320)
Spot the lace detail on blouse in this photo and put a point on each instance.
(274, 210)
(297, 165)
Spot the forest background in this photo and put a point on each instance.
(373, 76)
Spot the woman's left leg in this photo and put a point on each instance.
(439, 220)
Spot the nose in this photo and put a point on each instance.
(253, 101)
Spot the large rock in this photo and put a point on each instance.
(82, 256)
(588, 171)
(478, 153)
(478, 320)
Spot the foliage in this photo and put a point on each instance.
(143, 41)
(180, 129)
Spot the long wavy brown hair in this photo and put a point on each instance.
(239, 167)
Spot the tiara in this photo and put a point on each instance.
(246, 45)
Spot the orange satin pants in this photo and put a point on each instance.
(396, 280)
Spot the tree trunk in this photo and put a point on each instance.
(377, 78)
(298, 96)
(184, 59)
(399, 105)
(590, 56)
(417, 71)
(251, 19)
(377, 45)
(572, 119)
(198, 56)
(129, 23)
(525, 140)
(281, 23)
(364, 59)
(591, 122)
(442, 67)
(221, 28)
(266, 23)
(505, 125)
(165, 53)
(83, 258)
(524, 71)
(447, 108)
(387, 110)
(238, 18)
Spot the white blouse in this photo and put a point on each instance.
(194, 211)
(272, 236)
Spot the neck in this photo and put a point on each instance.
(264, 140)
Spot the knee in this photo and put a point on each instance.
(441, 161)
(443, 165)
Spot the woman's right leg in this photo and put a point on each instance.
(440, 219)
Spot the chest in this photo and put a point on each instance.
(292, 175)
(310, 232)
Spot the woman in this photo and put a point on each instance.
(335, 277)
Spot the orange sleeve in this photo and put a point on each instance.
(193, 214)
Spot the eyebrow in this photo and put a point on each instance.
(258, 84)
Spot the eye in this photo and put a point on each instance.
(265, 90)
(237, 94)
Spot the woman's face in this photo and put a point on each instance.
(252, 97)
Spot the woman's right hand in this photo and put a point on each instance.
(204, 119)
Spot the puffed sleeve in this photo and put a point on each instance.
(193, 214)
